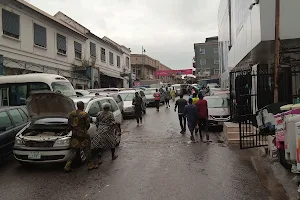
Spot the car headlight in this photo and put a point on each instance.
(62, 142)
(19, 141)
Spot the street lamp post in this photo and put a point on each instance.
(143, 51)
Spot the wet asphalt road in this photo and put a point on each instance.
(155, 162)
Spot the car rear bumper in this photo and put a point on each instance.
(128, 114)
(150, 103)
(47, 156)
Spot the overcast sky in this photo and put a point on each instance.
(166, 28)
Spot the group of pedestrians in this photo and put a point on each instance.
(195, 112)
(105, 139)
(192, 113)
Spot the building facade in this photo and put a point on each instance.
(145, 67)
(207, 58)
(247, 33)
(248, 27)
(33, 41)
(108, 57)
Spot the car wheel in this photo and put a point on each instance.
(118, 135)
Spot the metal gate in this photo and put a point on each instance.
(250, 90)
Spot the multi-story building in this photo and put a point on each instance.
(144, 67)
(110, 59)
(207, 57)
(247, 34)
(34, 41)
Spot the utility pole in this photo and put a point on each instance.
(143, 51)
(277, 49)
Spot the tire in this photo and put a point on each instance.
(283, 161)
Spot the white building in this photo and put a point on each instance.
(250, 28)
(106, 55)
(247, 33)
(34, 41)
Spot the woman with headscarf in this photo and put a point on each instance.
(137, 102)
(173, 94)
(105, 137)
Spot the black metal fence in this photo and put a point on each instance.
(253, 88)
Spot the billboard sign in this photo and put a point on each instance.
(174, 72)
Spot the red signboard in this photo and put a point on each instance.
(173, 72)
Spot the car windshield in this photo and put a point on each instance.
(64, 87)
(217, 102)
(147, 92)
(127, 96)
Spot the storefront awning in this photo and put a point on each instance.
(111, 75)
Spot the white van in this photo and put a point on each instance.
(15, 89)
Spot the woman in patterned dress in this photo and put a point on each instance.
(105, 138)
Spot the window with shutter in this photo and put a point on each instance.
(103, 57)
(78, 50)
(127, 61)
(40, 36)
(10, 24)
(61, 42)
(118, 61)
(111, 58)
(93, 50)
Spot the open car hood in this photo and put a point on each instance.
(47, 104)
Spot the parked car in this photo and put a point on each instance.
(184, 88)
(127, 97)
(104, 90)
(81, 93)
(12, 120)
(149, 92)
(222, 93)
(177, 88)
(212, 85)
(218, 110)
(114, 95)
(212, 91)
(46, 138)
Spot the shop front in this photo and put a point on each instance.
(110, 80)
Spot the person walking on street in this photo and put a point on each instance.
(173, 94)
(190, 111)
(79, 123)
(202, 110)
(167, 98)
(156, 96)
(195, 98)
(181, 103)
(138, 108)
(105, 138)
